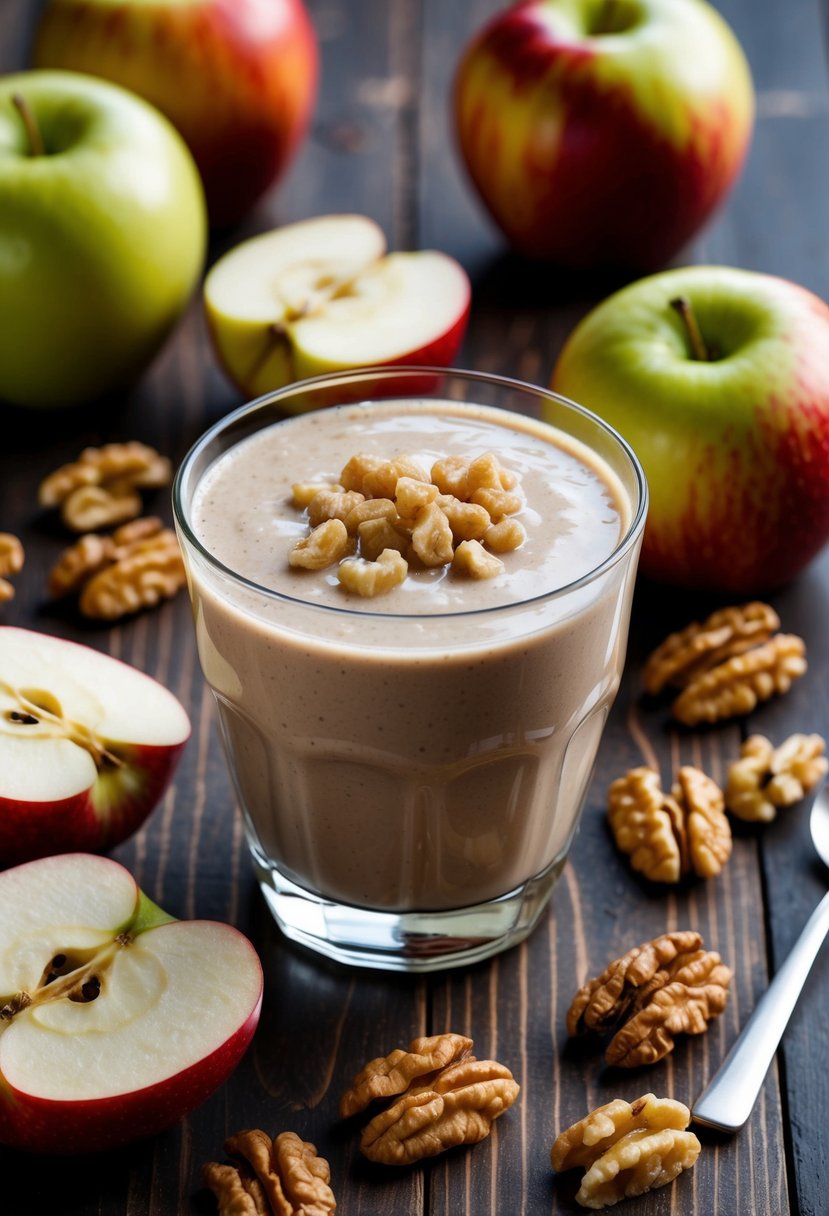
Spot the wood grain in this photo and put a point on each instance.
(381, 143)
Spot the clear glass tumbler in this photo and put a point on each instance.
(411, 783)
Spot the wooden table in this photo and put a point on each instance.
(381, 144)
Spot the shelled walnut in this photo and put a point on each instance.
(654, 992)
(668, 836)
(766, 777)
(439, 1096)
(279, 1177)
(102, 487)
(12, 557)
(627, 1149)
(136, 567)
(726, 664)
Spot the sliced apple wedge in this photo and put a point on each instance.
(323, 295)
(115, 1019)
(87, 746)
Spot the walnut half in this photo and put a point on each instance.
(766, 777)
(667, 836)
(627, 1149)
(279, 1177)
(649, 996)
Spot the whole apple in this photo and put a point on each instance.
(87, 746)
(115, 1019)
(236, 77)
(102, 236)
(719, 380)
(603, 133)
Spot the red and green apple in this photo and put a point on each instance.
(103, 236)
(88, 745)
(322, 295)
(719, 380)
(115, 1019)
(237, 78)
(603, 132)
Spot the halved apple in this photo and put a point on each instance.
(322, 295)
(115, 1019)
(87, 746)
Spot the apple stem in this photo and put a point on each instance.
(699, 350)
(36, 144)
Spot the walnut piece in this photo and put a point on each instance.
(459, 1107)
(279, 1177)
(12, 556)
(627, 1149)
(766, 777)
(324, 545)
(668, 836)
(656, 991)
(100, 488)
(736, 686)
(459, 514)
(134, 568)
(388, 1076)
(701, 645)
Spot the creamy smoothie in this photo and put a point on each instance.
(429, 748)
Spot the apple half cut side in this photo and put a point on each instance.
(115, 1019)
(88, 745)
(323, 295)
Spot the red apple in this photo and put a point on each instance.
(236, 77)
(603, 132)
(87, 746)
(115, 1019)
(322, 295)
(719, 380)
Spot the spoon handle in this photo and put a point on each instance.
(728, 1099)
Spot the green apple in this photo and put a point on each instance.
(102, 236)
(719, 380)
(603, 132)
(322, 295)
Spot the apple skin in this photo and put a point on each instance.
(104, 242)
(67, 1127)
(119, 800)
(600, 150)
(735, 450)
(237, 78)
(90, 820)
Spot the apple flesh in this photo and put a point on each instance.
(115, 1019)
(87, 746)
(603, 134)
(322, 295)
(237, 78)
(731, 424)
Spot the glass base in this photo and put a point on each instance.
(405, 941)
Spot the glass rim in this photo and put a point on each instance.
(351, 375)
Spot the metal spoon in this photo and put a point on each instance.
(728, 1099)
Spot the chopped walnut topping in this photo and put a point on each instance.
(373, 578)
(702, 645)
(323, 546)
(766, 778)
(101, 487)
(136, 567)
(627, 1148)
(459, 1107)
(388, 1076)
(736, 686)
(668, 836)
(656, 991)
(282, 1177)
(459, 514)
